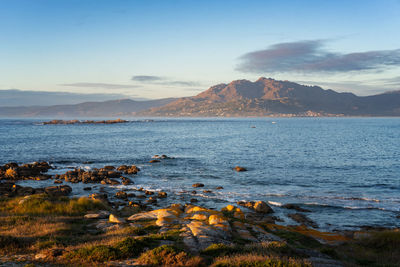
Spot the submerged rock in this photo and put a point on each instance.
(240, 169)
(295, 207)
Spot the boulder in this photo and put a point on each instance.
(61, 190)
(103, 214)
(262, 207)
(121, 195)
(162, 194)
(114, 219)
(198, 185)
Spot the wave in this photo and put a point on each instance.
(278, 204)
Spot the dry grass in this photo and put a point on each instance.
(256, 260)
(378, 249)
(45, 205)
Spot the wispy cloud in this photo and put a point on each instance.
(14, 97)
(311, 56)
(147, 78)
(100, 85)
(159, 80)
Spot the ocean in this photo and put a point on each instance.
(345, 170)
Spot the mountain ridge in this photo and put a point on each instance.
(109, 108)
(270, 97)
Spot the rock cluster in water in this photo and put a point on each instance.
(85, 122)
(34, 171)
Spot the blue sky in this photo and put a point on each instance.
(155, 49)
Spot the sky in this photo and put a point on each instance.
(171, 48)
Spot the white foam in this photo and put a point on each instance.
(278, 204)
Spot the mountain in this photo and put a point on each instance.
(123, 107)
(269, 97)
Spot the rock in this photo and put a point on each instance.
(217, 219)
(229, 208)
(198, 185)
(194, 192)
(128, 170)
(262, 207)
(295, 207)
(175, 209)
(151, 200)
(207, 191)
(247, 204)
(121, 195)
(114, 219)
(241, 229)
(110, 168)
(154, 161)
(99, 215)
(199, 216)
(114, 182)
(162, 194)
(40, 256)
(219, 187)
(87, 188)
(58, 181)
(302, 219)
(126, 181)
(149, 192)
(98, 196)
(167, 217)
(62, 190)
(193, 200)
(240, 169)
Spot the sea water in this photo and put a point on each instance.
(345, 170)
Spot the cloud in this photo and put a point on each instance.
(147, 78)
(100, 85)
(158, 80)
(15, 97)
(311, 56)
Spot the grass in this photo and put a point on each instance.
(42, 204)
(377, 249)
(168, 256)
(256, 260)
(215, 250)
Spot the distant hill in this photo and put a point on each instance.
(269, 97)
(123, 107)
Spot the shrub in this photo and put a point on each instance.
(168, 256)
(11, 173)
(130, 247)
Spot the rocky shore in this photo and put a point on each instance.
(136, 227)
